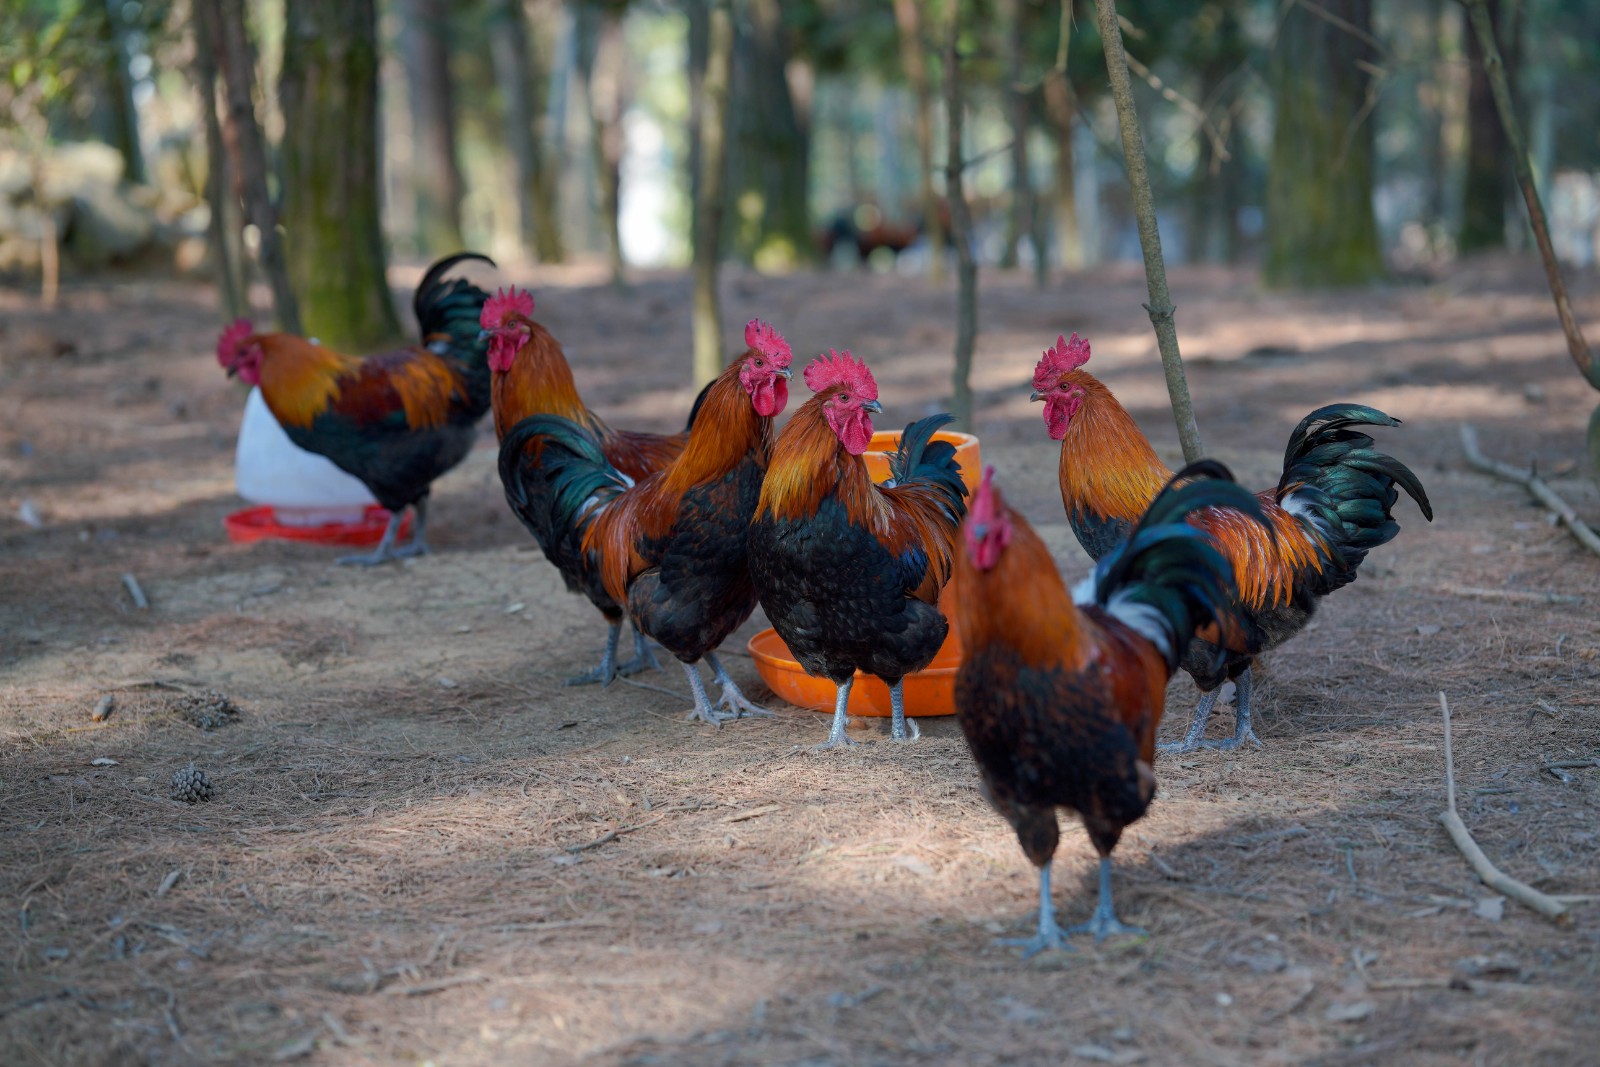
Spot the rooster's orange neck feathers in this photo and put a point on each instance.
(808, 463)
(1108, 468)
(539, 383)
(1020, 601)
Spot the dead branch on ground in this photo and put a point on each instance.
(1487, 872)
(1534, 484)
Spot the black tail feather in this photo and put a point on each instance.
(1348, 486)
(921, 458)
(452, 308)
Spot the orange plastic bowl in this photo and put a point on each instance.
(930, 691)
(261, 524)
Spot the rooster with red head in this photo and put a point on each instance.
(1332, 505)
(396, 420)
(671, 547)
(531, 376)
(1059, 701)
(850, 572)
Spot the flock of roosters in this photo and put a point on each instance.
(1059, 694)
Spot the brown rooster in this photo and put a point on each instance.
(849, 571)
(1331, 506)
(671, 547)
(396, 420)
(1059, 701)
(530, 376)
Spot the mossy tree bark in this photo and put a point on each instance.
(223, 230)
(1486, 180)
(1320, 224)
(521, 76)
(1019, 217)
(333, 232)
(709, 185)
(770, 157)
(247, 153)
(914, 59)
(960, 229)
(125, 117)
(602, 73)
(425, 40)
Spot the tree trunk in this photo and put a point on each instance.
(769, 164)
(602, 67)
(124, 116)
(329, 89)
(1486, 182)
(1019, 220)
(961, 231)
(425, 42)
(1160, 306)
(247, 154)
(521, 78)
(1433, 121)
(1061, 105)
(1320, 224)
(223, 229)
(913, 57)
(708, 351)
(699, 12)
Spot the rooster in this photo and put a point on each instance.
(530, 376)
(396, 420)
(671, 547)
(850, 572)
(1059, 701)
(1331, 506)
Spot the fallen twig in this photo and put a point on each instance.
(604, 839)
(1571, 764)
(439, 985)
(1487, 872)
(1534, 484)
(134, 590)
(1520, 595)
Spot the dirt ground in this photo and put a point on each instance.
(423, 849)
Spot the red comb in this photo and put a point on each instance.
(761, 337)
(504, 303)
(232, 340)
(1065, 356)
(841, 368)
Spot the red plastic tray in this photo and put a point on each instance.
(260, 524)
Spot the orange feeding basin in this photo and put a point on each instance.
(928, 692)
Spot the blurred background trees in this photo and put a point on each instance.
(1328, 142)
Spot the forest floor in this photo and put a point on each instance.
(422, 848)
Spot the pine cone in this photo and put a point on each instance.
(209, 710)
(191, 785)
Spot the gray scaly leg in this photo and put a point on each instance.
(1242, 731)
(644, 657)
(731, 698)
(897, 706)
(1197, 729)
(841, 718)
(1050, 935)
(702, 710)
(385, 550)
(1104, 922)
(608, 662)
(418, 545)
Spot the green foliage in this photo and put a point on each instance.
(53, 52)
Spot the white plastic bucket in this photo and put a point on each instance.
(302, 488)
